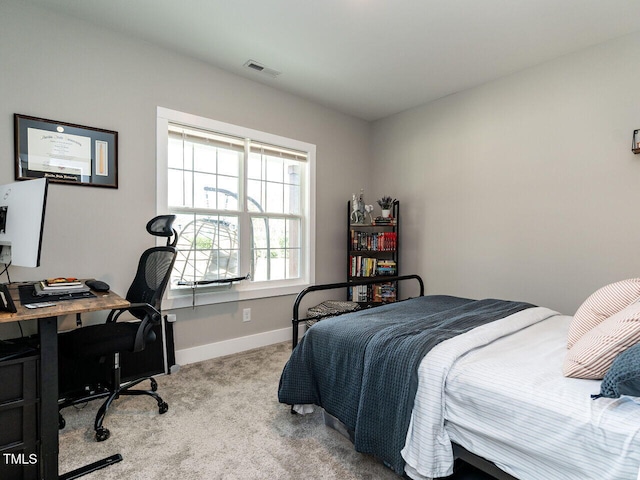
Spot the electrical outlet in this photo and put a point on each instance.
(246, 315)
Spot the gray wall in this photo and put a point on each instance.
(523, 188)
(63, 69)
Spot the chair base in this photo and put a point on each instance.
(103, 433)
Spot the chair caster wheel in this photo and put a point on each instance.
(154, 385)
(61, 422)
(102, 434)
(163, 407)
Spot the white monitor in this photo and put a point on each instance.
(22, 208)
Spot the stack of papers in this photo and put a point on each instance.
(60, 286)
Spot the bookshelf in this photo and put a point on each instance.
(372, 252)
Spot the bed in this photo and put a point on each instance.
(489, 389)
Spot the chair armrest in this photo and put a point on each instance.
(151, 317)
(151, 312)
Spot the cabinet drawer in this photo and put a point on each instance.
(19, 425)
(19, 463)
(18, 379)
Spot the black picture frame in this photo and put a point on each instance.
(65, 153)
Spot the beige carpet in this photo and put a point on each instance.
(224, 422)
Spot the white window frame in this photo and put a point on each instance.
(244, 290)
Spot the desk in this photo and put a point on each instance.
(47, 318)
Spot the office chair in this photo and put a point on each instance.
(112, 337)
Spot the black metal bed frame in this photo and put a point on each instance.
(331, 286)
(459, 452)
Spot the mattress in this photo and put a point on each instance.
(505, 399)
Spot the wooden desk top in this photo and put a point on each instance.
(102, 301)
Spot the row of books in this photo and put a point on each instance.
(379, 293)
(374, 241)
(369, 267)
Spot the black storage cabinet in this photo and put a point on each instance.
(19, 402)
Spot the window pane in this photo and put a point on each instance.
(277, 235)
(275, 197)
(278, 264)
(180, 154)
(204, 158)
(294, 232)
(293, 171)
(293, 263)
(179, 188)
(229, 162)
(208, 248)
(204, 189)
(223, 197)
(228, 188)
(254, 196)
(275, 169)
(292, 199)
(276, 246)
(260, 227)
(254, 166)
(260, 265)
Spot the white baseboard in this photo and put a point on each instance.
(234, 345)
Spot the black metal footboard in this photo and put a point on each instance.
(330, 286)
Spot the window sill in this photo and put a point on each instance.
(184, 298)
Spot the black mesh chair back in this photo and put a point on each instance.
(152, 277)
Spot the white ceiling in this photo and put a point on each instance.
(367, 58)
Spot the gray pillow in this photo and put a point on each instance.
(623, 377)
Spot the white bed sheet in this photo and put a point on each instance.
(507, 401)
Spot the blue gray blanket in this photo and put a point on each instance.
(362, 367)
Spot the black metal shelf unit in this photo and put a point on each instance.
(373, 252)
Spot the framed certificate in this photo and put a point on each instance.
(65, 153)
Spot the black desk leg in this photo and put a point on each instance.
(49, 441)
(48, 331)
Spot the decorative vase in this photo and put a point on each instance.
(386, 213)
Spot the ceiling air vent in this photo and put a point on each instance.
(258, 67)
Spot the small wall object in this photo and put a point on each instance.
(386, 203)
(635, 147)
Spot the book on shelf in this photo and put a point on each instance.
(386, 267)
(384, 221)
(385, 293)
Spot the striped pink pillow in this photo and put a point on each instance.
(593, 354)
(602, 304)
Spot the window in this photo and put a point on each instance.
(243, 201)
